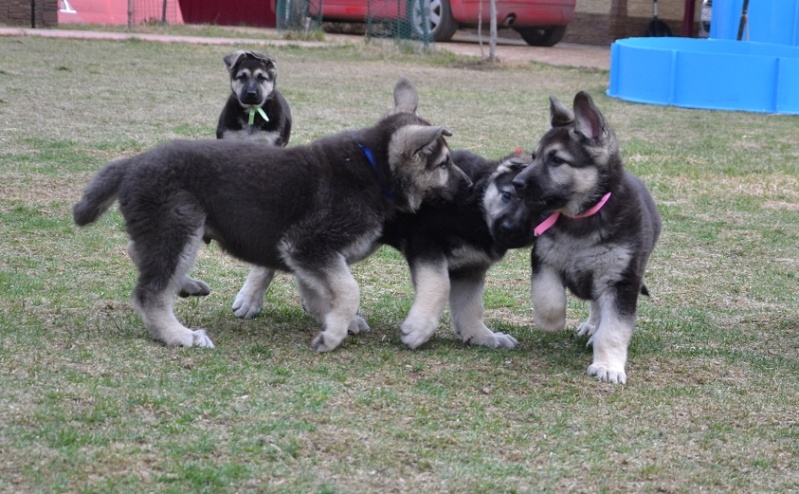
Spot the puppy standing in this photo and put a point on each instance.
(599, 238)
(310, 210)
(255, 109)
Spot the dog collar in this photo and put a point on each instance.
(553, 218)
(258, 109)
(371, 157)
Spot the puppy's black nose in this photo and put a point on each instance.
(507, 227)
(519, 184)
(252, 94)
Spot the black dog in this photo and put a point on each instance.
(255, 109)
(450, 245)
(310, 210)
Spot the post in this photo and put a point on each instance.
(130, 15)
(163, 14)
(33, 14)
(492, 34)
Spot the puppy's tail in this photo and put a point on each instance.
(645, 291)
(100, 194)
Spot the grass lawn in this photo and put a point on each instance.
(89, 403)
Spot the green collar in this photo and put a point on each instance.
(258, 109)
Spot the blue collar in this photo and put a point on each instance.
(371, 157)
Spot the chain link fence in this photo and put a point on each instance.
(298, 16)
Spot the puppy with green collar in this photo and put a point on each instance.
(255, 110)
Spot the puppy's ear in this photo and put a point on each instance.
(426, 138)
(231, 59)
(559, 114)
(412, 140)
(589, 120)
(406, 99)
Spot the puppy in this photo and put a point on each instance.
(255, 110)
(310, 210)
(598, 238)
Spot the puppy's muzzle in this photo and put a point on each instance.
(250, 97)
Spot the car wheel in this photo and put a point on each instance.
(542, 36)
(431, 19)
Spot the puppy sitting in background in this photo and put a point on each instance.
(255, 110)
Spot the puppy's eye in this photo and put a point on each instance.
(557, 160)
(443, 164)
(506, 196)
(262, 77)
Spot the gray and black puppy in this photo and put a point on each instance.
(602, 226)
(255, 110)
(310, 210)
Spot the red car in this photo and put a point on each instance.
(539, 22)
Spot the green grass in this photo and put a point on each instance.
(89, 403)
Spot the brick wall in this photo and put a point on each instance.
(18, 13)
(601, 22)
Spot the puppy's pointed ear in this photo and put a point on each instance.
(559, 114)
(412, 140)
(589, 121)
(425, 138)
(406, 99)
(231, 59)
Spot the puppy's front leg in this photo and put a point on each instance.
(335, 300)
(431, 290)
(549, 299)
(466, 304)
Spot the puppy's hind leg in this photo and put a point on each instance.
(611, 338)
(190, 287)
(466, 305)
(161, 275)
(250, 299)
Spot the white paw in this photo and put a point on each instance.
(325, 342)
(608, 373)
(188, 338)
(193, 288)
(246, 306)
(201, 339)
(358, 325)
(416, 332)
(493, 340)
(586, 329)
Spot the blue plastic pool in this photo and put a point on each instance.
(717, 74)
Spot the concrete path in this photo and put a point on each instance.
(508, 50)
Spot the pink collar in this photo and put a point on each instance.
(553, 218)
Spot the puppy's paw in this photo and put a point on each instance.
(358, 325)
(493, 340)
(193, 288)
(416, 332)
(246, 307)
(201, 339)
(586, 329)
(188, 338)
(325, 342)
(608, 373)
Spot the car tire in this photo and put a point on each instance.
(441, 25)
(542, 36)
